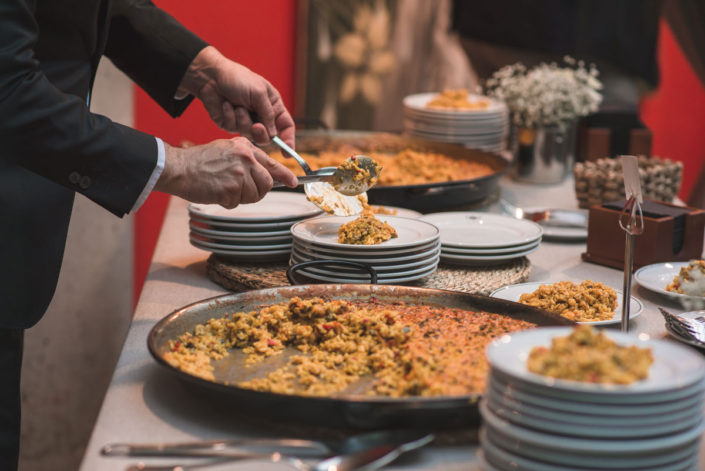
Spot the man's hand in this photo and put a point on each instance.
(226, 171)
(229, 91)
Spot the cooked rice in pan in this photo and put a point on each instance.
(408, 350)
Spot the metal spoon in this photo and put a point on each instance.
(349, 180)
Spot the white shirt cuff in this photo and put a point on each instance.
(156, 173)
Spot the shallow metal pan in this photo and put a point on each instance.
(422, 197)
(350, 410)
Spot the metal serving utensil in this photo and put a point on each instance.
(285, 147)
(236, 448)
(222, 448)
(344, 180)
(631, 220)
(366, 459)
(691, 329)
(548, 217)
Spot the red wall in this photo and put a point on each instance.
(260, 35)
(676, 111)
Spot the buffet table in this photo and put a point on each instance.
(145, 403)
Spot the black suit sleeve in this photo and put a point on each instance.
(53, 134)
(153, 49)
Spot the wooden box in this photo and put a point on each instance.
(671, 233)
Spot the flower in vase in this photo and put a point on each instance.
(547, 95)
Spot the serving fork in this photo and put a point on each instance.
(366, 459)
(692, 329)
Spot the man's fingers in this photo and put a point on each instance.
(262, 179)
(259, 133)
(278, 171)
(262, 105)
(229, 121)
(250, 189)
(213, 104)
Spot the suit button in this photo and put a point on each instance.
(85, 182)
(74, 177)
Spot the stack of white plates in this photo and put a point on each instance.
(472, 238)
(250, 232)
(412, 255)
(484, 129)
(533, 422)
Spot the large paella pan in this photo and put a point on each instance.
(349, 408)
(450, 193)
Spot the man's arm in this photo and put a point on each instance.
(54, 135)
(153, 49)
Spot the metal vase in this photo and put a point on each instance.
(543, 155)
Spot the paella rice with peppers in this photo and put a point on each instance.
(408, 350)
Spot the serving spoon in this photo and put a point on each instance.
(360, 173)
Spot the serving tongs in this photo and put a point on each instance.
(344, 180)
(631, 220)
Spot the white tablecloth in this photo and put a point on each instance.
(145, 403)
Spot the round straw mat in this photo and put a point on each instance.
(236, 276)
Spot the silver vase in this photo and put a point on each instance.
(543, 155)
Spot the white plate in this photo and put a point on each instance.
(561, 232)
(406, 257)
(617, 428)
(474, 260)
(508, 460)
(400, 212)
(677, 336)
(264, 238)
(419, 101)
(324, 231)
(344, 279)
(299, 256)
(450, 250)
(249, 256)
(241, 236)
(670, 403)
(194, 238)
(487, 118)
(381, 251)
(655, 278)
(490, 254)
(275, 206)
(674, 366)
(514, 292)
(335, 271)
(477, 131)
(583, 445)
(243, 227)
(483, 230)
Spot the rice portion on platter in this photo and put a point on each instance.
(591, 356)
(407, 350)
(587, 301)
(365, 230)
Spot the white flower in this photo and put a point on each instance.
(547, 95)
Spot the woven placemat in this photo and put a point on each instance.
(236, 276)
